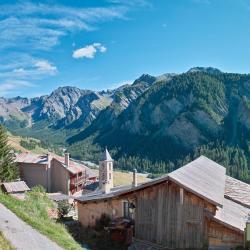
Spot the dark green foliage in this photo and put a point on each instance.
(8, 169)
(102, 222)
(233, 158)
(63, 208)
(31, 144)
(93, 239)
(143, 165)
(142, 135)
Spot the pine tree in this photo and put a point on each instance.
(8, 169)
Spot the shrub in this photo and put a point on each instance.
(63, 208)
(102, 222)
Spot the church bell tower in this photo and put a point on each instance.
(106, 172)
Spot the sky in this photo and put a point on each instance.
(103, 44)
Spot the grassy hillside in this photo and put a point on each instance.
(29, 144)
(18, 143)
(34, 211)
(126, 178)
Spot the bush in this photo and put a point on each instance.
(102, 222)
(63, 208)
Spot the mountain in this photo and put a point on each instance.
(67, 110)
(155, 123)
(176, 116)
(62, 107)
(122, 97)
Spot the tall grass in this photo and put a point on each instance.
(4, 244)
(34, 211)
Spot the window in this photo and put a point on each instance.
(126, 209)
(110, 176)
(110, 166)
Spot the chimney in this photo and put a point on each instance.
(134, 183)
(48, 158)
(66, 155)
(49, 172)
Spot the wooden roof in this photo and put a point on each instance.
(232, 215)
(203, 177)
(237, 191)
(28, 157)
(15, 187)
(59, 197)
(206, 179)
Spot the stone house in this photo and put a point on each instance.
(53, 172)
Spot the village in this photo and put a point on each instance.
(124, 125)
(197, 206)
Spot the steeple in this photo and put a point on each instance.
(106, 156)
(106, 171)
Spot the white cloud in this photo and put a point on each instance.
(11, 85)
(133, 3)
(89, 51)
(19, 70)
(41, 26)
(119, 84)
(100, 47)
(46, 66)
(23, 66)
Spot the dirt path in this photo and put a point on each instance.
(21, 235)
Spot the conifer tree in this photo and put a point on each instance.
(8, 168)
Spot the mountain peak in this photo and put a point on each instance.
(145, 78)
(66, 89)
(209, 70)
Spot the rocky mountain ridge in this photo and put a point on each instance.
(175, 116)
(67, 107)
(162, 117)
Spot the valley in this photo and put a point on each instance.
(156, 123)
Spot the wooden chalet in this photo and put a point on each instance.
(195, 207)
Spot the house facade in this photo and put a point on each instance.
(54, 173)
(195, 207)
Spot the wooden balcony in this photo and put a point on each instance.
(76, 181)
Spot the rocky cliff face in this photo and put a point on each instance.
(69, 107)
(176, 115)
(63, 107)
(122, 97)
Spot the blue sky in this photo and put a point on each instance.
(102, 44)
